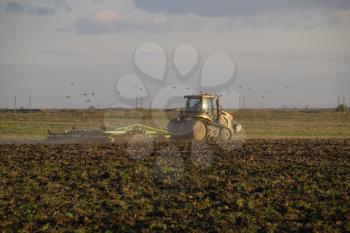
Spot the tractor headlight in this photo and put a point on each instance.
(237, 128)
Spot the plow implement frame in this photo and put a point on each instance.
(138, 129)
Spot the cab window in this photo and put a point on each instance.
(193, 105)
(208, 106)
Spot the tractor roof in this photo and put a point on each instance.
(204, 95)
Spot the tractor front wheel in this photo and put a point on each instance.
(225, 134)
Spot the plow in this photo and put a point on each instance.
(122, 134)
(202, 119)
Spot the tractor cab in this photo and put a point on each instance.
(202, 105)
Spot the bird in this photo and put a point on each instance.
(93, 93)
(68, 97)
(287, 87)
(72, 84)
(85, 94)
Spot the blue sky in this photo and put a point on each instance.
(45, 45)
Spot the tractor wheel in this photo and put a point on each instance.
(225, 134)
(200, 131)
(110, 139)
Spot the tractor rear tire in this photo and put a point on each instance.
(200, 131)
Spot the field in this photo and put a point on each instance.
(259, 186)
(288, 172)
(256, 123)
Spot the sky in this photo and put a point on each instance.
(73, 54)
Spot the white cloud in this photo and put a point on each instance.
(166, 23)
(102, 22)
(344, 16)
(160, 19)
(106, 16)
(107, 21)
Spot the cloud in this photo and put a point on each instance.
(236, 8)
(62, 4)
(16, 7)
(168, 23)
(309, 20)
(344, 16)
(102, 22)
(40, 10)
(110, 22)
(106, 16)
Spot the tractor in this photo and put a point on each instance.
(203, 119)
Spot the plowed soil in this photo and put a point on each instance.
(259, 186)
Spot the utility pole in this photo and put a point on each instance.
(137, 99)
(140, 91)
(15, 107)
(344, 104)
(141, 102)
(30, 104)
(338, 101)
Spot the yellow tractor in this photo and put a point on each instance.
(203, 119)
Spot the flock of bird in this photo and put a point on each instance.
(265, 93)
(84, 94)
